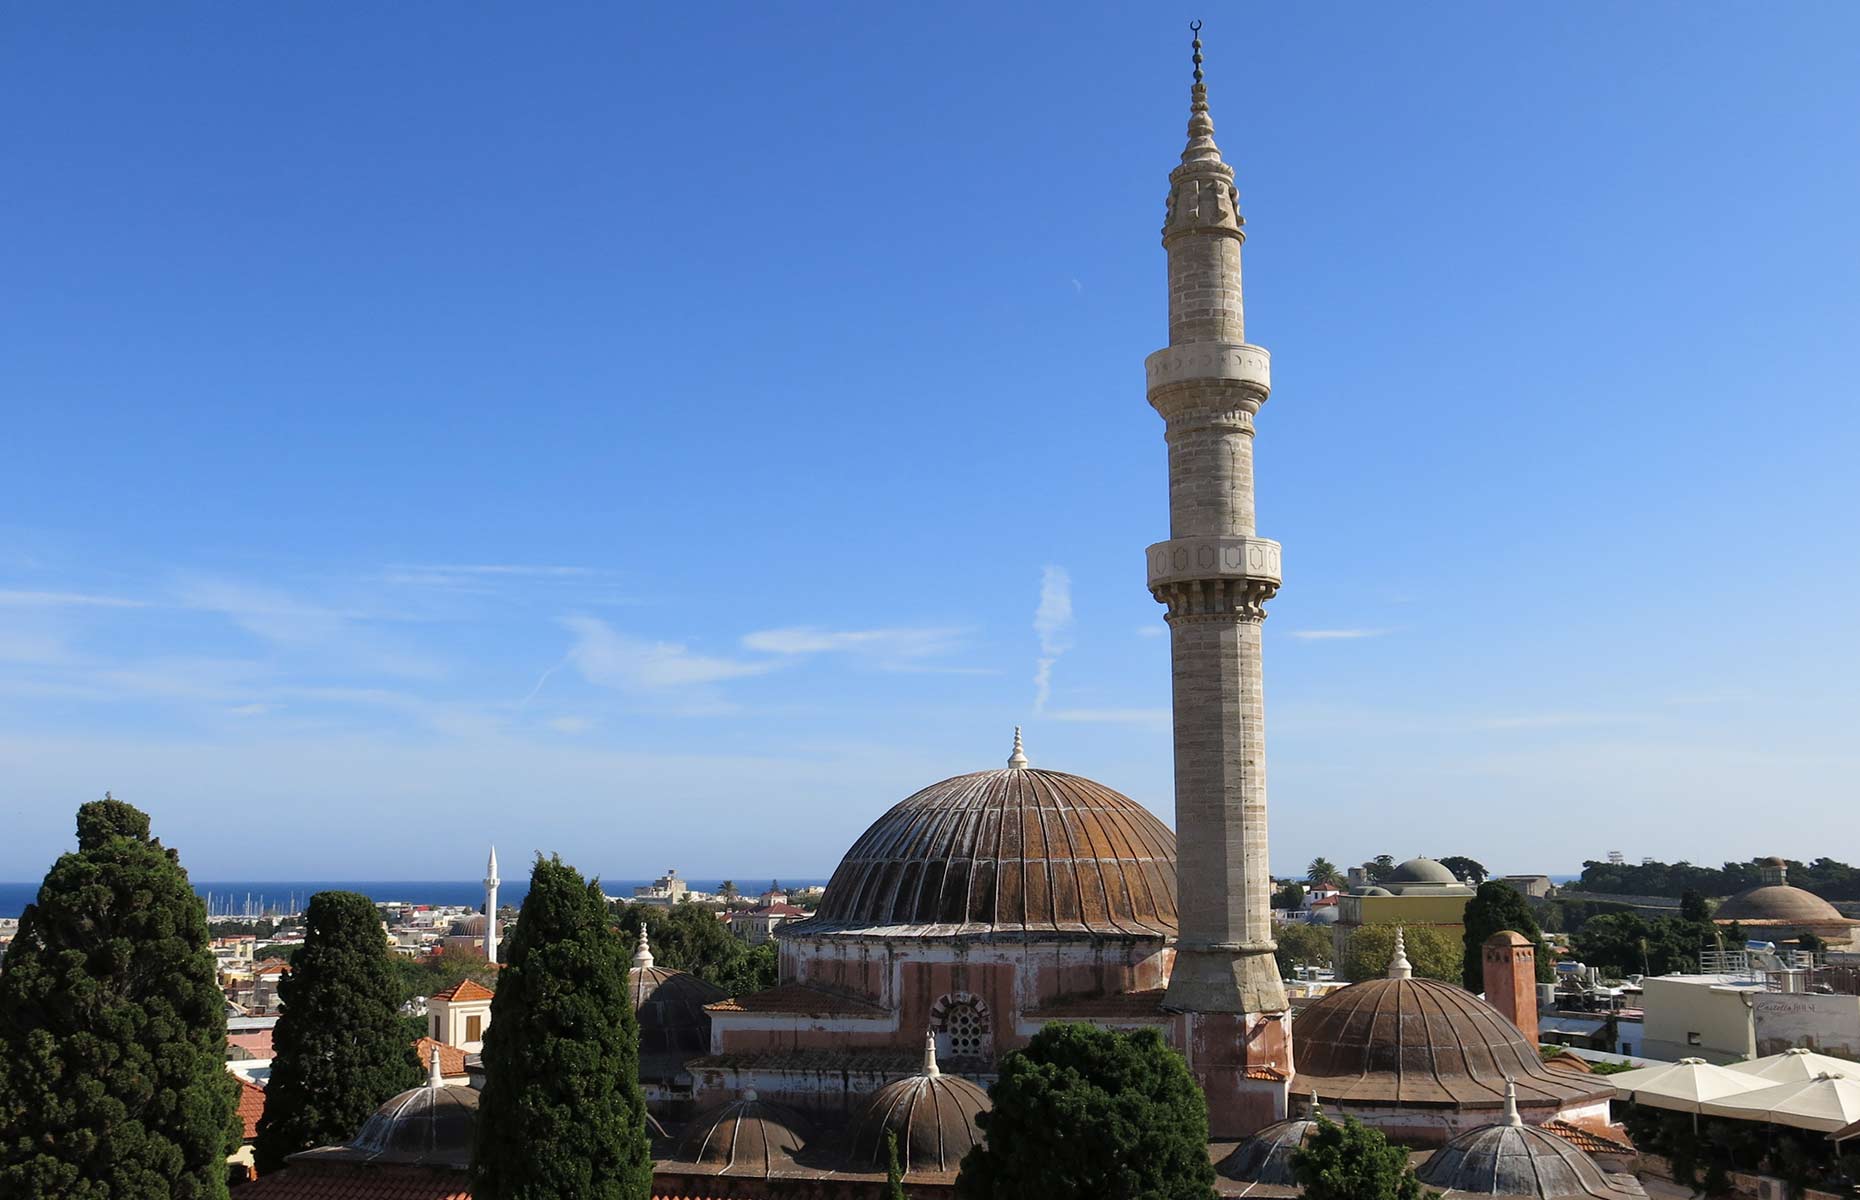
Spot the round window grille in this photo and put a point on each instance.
(967, 1033)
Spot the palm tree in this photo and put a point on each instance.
(1321, 871)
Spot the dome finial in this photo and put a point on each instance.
(930, 1067)
(1018, 759)
(642, 956)
(436, 1078)
(1511, 1103)
(1317, 1107)
(1399, 966)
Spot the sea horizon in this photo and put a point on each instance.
(282, 894)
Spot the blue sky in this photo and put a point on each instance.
(672, 438)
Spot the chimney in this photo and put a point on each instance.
(1511, 980)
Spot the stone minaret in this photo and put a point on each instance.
(490, 907)
(1215, 574)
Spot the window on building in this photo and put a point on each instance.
(965, 1030)
(474, 1029)
(1692, 1038)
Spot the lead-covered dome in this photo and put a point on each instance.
(746, 1136)
(932, 1114)
(1014, 851)
(431, 1125)
(1779, 902)
(1266, 1157)
(1510, 1158)
(1408, 1041)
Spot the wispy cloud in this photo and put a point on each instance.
(472, 575)
(1151, 631)
(23, 599)
(1111, 716)
(610, 658)
(1052, 622)
(334, 635)
(570, 725)
(1335, 635)
(875, 643)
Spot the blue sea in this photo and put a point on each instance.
(235, 895)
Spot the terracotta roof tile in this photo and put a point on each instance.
(1592, 1137)
(799, 1000)
(465, 989)
(451, 1058)
(251, 1107)
(1267, 1074)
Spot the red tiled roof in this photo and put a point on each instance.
(1267, 1074)
(1592, 1137)
(271, 966)
(357, 1181)
(797, 999)
(465, 989)
(451, 1058)
(251, 1107)
(257, 1043)
(778, 910)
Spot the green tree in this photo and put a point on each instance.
(340, 1044)
(1433, 954)
(1351, 1161)
(1083, 1113)
(562, 1113)
(894, 1174)
(113, 1083)
(1496, 907)
(1322, 871)
(689, 937)
(1693, 907)
(1291, 896)
(1302, 946)
(1380, 867)
(1465, 868)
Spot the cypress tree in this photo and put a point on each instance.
(1497, 906)
(894, 1174)
(113, 1080)
(562, 1113)
(341, 1049)
(1085, 1112)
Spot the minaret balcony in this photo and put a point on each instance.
(1181, 560)
(1194, 362)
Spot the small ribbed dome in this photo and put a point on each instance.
(1421, 870)
(1422, 1042)
(1511, 1158)
(1010, 851)
(744, 1137)
(933, 1115)
(1373, 890)
(428, 1124)
(670, 1007)
(1266, 1157)
(1328, 915)
(472, 926)
(1779, 902)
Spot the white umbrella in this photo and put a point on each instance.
(1794, 1066)
(1826, 1103)
(1684, 1085)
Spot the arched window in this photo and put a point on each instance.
(962, 1027)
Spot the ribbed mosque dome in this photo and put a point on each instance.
(1402, 1040)
(670, 1007)
(1012, 851)
(744, 1137)
(932, 1114)
(1511, 1158)
(1266, 1157)
(430, 1124)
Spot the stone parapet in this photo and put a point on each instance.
(1180, 560)
(1236, 362)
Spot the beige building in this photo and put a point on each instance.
(1419, 892)
(1729, 1018)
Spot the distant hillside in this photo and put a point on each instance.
(1825, 877)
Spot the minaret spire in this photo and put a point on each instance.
(490, 907)
(1215, 574)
